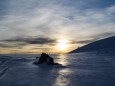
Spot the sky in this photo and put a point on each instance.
(53, 26)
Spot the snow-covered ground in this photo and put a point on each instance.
(85, 69)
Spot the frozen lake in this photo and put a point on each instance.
(83, 69)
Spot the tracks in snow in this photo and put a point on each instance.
(3, 71)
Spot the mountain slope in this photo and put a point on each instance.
(107, 44)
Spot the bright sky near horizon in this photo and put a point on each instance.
(53, 26)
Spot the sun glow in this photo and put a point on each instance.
(62, 44)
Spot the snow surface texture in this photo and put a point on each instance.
(83, 69)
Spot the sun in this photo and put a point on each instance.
(62, 44)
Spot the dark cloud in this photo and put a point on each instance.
(93, 38)
(41, 43)
(103, 35)
(5, 45)
(41, 48)
(40, 40)
(85, 41)
(12, 45)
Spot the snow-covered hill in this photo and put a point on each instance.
(106, 45)
(83, 69)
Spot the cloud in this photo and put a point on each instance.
(83, 21)
(30, 40)
(103, 35)
(61, 17)
(41, 48)
(11, 45)
(85, 41)
(93, 38)
(29, 44)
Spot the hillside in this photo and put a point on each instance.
(107, 45)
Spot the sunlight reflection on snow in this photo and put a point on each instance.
(63, 59)
(63, 77)
(63, 73)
